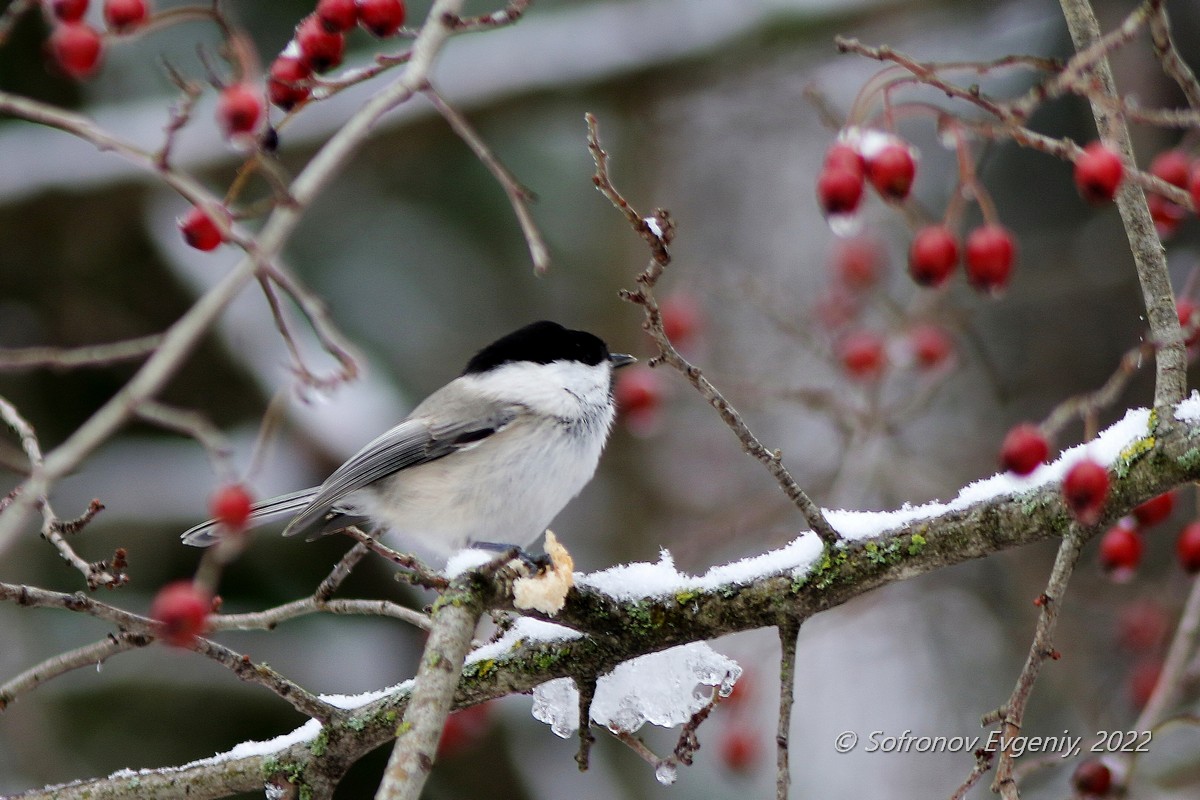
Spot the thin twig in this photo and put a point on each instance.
(97, 355)
(1012, 714)
(1168, 55)
(420, 573)
(195, 425)
(89, 655)
(657, 231)
(518, 195)
(245, 669)
(787, 694)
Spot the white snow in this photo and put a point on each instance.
(661, 688)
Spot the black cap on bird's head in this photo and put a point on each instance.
(545, 342)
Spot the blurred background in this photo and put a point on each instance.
(707, 108)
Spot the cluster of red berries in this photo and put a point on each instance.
(320, 43)
(740, 748)
(1085, 485)
(887, 162)
(1123, 544)
(76, 46)
(989, 257)
(858, 265)
(1099, 171)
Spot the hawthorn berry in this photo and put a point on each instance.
(891, 171)
(1171, 166)
(681, 318)
(181, 610)
(239, 109)
(858, 262)
(1154, 510)
(463, 729)
(862, 355)
(283, 89)
(1193, 186)
(1167, 216)
(1189, 321)
(990, 252)
(76, 48)
(1143, 626)
(930, 344)
(1024, 449)
(1092, 777)
(1098, 173)
(319, 49)
(739, 749)
(199, 230)
(337, 15)
(1121, 549)
(381, 17)
(839, 190)
(125, 15)
(231, 506)
(1085, 489)
(1187, 547)
(638, 393)
(1143, 680)
(842, 156)
(69, 10)
(932, 255)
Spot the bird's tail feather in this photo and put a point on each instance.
(261, 513)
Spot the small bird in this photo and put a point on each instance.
(488, 460)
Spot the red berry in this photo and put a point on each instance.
(181, 611)
(843, 156)
(932, 256)
(1121, 549)
(282, 89)
(231, 506)
(337, 15)
(990, 252)
(239, 109)
(862, 355)
(1155, 510)
(381, 17)
(1085, 488)
(1098, 173)
(124, 15)
(319, 49)
(1188, 320)
(739, 749)
(1092, 777)
(743, 688)
(463, 729)
(1024, 449)
(1172, 166)
(892, 170)
(1187, 547)
(76, 48)
(839, 190)
(930, 344)
(858, 262)
(199, 230)
(69, 10)
(638, 393)
(1143, 626)
(1167, 216)
(681, 318)
(1143, 680)
(1193, 187)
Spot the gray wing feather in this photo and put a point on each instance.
(409, 444)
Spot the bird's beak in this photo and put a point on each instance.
(620, 360)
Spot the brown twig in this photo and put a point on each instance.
(98, 355)
(1168, 55)
(512, 12)
(419, 573)
(983, 763)
(90, 655)
(658, 231)
(787, 695)
(195, 425)
(518, 195)
(1012, 714)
